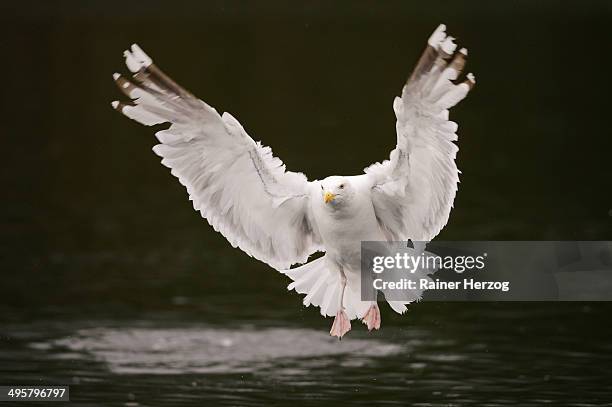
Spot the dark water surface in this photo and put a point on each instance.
(437, 355)
(112, 284)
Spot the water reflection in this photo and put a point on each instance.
(211, 350)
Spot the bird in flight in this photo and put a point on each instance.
(281, 218)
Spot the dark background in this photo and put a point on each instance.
(93, 226)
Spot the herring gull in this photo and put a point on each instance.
(281, 218)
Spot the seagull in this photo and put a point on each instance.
(280, 217)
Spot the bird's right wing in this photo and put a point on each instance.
(234, 182)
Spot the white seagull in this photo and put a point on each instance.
(281, 218)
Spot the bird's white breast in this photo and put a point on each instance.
(343, 230)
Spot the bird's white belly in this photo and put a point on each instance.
(342, 236)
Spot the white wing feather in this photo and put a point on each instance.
(414, 190)
(235, 183)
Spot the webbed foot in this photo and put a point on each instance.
(341, 325)
(372, 317)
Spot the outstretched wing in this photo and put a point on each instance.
(234, 182)
(413, 191)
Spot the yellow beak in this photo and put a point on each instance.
(328, 197)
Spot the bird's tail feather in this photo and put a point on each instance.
(323, 287)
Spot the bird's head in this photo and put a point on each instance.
(336, 191)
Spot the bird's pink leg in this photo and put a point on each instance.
(372, 317)
(341, 323)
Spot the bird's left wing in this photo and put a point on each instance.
(234, 182)
(413, 191)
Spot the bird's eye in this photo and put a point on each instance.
(341, 186)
